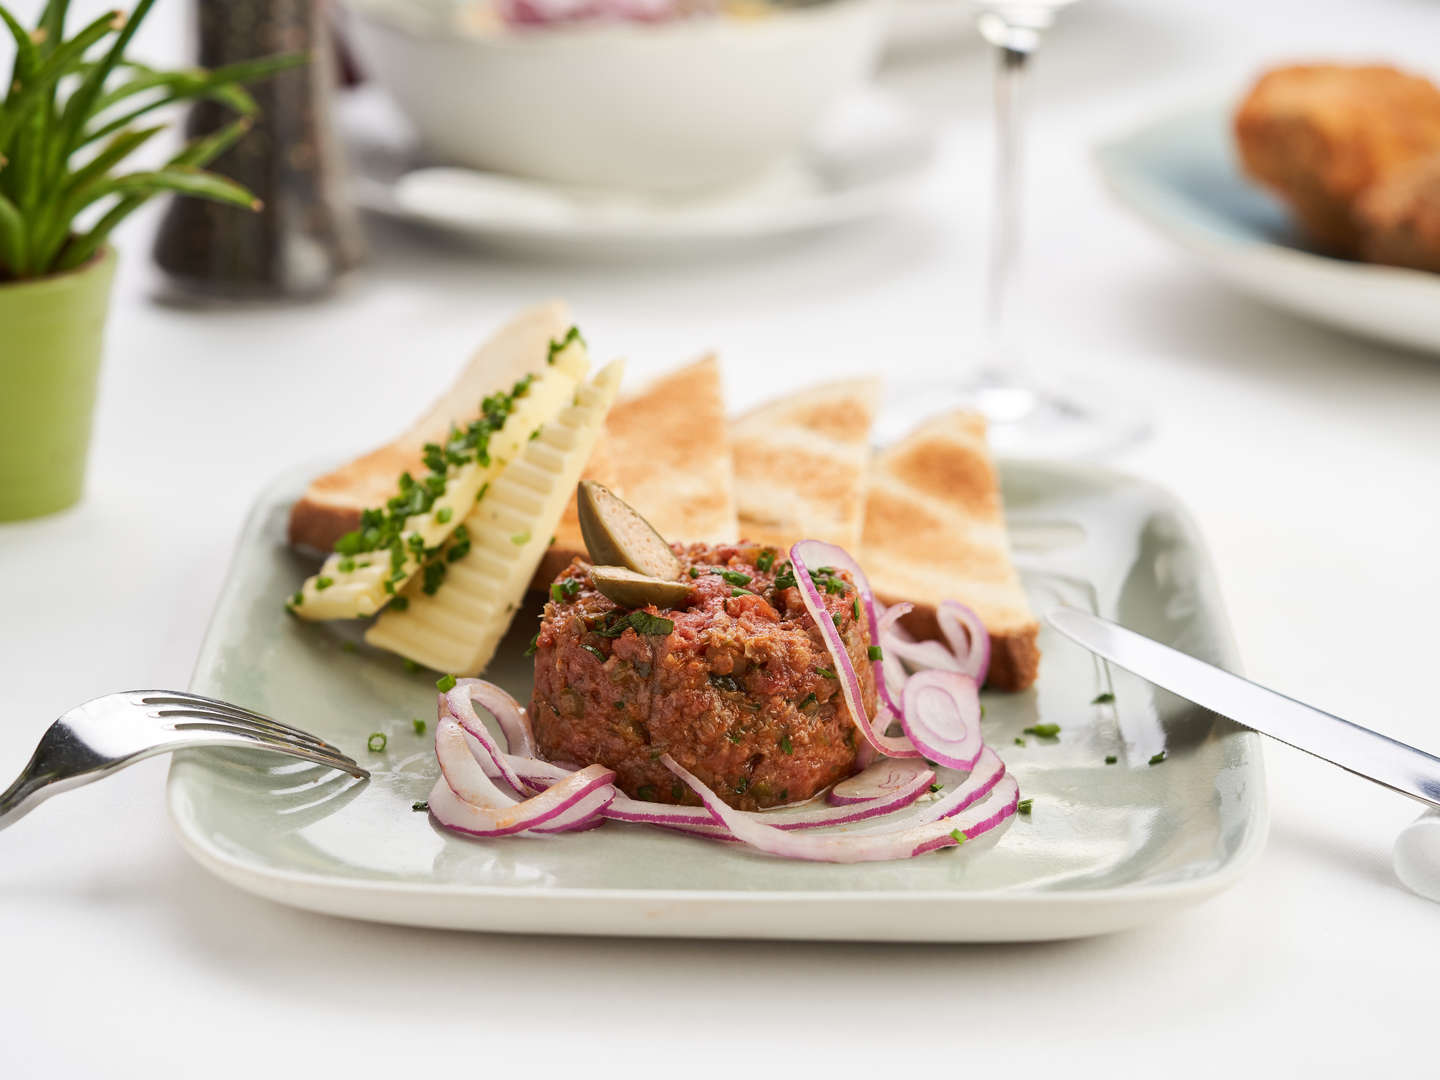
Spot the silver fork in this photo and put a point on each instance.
(105, 735)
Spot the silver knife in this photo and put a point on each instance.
(1356, 749)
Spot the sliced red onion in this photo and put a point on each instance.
(982, 779)
(883, 778)
(870, 846)
(509, 713)
(942, 717)
(585, 814)
(459, 703)
(968, 638)
(461, 775)
(830, 555)
(906, 790)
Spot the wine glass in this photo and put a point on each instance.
(1027, 417)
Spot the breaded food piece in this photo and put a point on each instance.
(1321, 134)
(1399, 217)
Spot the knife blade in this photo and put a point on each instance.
(1356, 749)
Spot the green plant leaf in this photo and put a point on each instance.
(42, 83)
(205, 149)
(52, 21)
(182, 181)
(116, 151)
(12, 237)
(80, 107)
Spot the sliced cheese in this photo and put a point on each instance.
(351, 587)
(457, 628)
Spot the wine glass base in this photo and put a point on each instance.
(1025, 420)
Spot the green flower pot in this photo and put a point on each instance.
(51, 330)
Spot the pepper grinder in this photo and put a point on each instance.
(306, 234)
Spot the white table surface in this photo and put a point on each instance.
(1312, 463)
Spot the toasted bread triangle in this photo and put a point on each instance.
(935, 529)
(332, 504)
(666, 452)
(801, 464)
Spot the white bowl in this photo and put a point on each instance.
(654, 107)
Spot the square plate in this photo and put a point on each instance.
(1106, 847)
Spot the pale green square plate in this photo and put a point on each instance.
(1106, 847)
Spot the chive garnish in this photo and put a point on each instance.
(825, 673)
(558, 345)
(420, 807)
(855, 608)
(958, 836)
(1158, 758)
(694, 572)
(521, 539)
(875, 652)
(418, 725)
(400, 603)
(765, 560)
(534, 645)
(1111, 759)
(935, 788)
(444, 514)
(786, 746)
(323, 583)
(1025, 806)
(807, 700)
(733, 577)
(297, 599)
(445, 683)
(1103, 699)
(1044, 731)
(1019, 741)
(411, 666)
(593, 651)
(376, 742)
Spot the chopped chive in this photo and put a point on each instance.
(418, 725)
(593, 651)
(1103, 699)
(376, 742)
(445, 683)
(534, 645)
(733, 577)
(400, 603)
(808, 700)
(765, 560)
(786, 746)
(1111, 759)
(876, 653)
(836, 620)
(935, 788)
(855, 608)
(444, 514)
(825, 673)
(323, 583)
(411, 666)
(1044, 731)
(740, 592)
(346, 565)
(521, 539)
(958, 836)
(420, 807)
(1025, 806)
(1158, 758)
(297, 599)
(1019, 741)
(694, 571)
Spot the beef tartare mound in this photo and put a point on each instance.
(735, 683)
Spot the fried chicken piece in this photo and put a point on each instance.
(1399, 217)
(1320, 134)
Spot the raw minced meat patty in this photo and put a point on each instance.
(740, 692)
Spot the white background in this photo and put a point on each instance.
(1311, 461)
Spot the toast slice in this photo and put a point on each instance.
(666, 451)
(935, 529)
(801, 464)
(332, 504)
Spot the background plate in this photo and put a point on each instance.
(1106, 846)
(1180, 175)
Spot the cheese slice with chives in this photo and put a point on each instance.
(352, 586)
(457, 626)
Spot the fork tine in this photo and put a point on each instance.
(250, 725)
(234, 712)
(185, 698)
(321, 756)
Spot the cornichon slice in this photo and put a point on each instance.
(629, 589)
(617, 536)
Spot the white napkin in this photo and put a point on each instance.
(1417, 855)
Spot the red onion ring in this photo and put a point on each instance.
(966, 648)
(458, 703)
(988, 771)
(942, 717)
(870, 846)
(885, 777)
(461, 772)
(835, 646)
(907, 790)
(509, 713)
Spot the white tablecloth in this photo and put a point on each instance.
(1311, 461)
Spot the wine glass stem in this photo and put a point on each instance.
(1012, 60)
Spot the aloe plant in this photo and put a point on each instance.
(68, 122)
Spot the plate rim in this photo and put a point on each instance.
(271, 881)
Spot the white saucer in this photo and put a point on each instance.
(866, 159)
